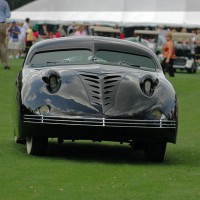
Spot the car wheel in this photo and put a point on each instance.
(190, 71)
(37, 146)
(20, 140)
(137, 145)
(155, 151)
(193, 69)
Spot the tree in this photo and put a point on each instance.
(17, 3)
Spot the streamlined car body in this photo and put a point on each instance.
(94, 88)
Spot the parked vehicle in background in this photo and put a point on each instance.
(141, 41)
(152, 37)
(185, 51)
(105, 31)
(197, 50)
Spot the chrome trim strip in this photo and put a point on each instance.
(100, 122)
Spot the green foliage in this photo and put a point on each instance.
(102, 171)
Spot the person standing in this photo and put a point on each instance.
(169, 55)
(4, 14)
(35, 34)
(80, 31)
(29, 38)
(13, 44)
(26, 24)
(22, 44)
(43, 32)
(161, 36)
(26, 27)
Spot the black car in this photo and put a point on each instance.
(94, 88)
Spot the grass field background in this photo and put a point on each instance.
(86, 170)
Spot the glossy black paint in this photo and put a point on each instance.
(92, 92)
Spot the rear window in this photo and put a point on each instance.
(77, 56)
(85, 56)
(139, 61)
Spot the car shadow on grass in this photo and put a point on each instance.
(114, 153)
(96, 152)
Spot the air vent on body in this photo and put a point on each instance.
(101, 89)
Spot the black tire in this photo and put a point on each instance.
(37, 146)
(155, 151)
(20, 140)
(189, 71)
(137, 145)
(193, 69)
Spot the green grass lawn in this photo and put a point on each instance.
(86, 170)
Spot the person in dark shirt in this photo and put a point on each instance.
(43, 33)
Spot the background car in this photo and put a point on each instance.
(94, 88)
(146, 43)
(105, 31)
(152, 37)
(185, 52)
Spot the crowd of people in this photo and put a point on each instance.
(16, 38)
(21, 36)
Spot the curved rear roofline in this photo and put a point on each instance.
(93, 43)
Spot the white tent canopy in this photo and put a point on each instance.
(111, 12)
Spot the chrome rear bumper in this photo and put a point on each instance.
(99, 122)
